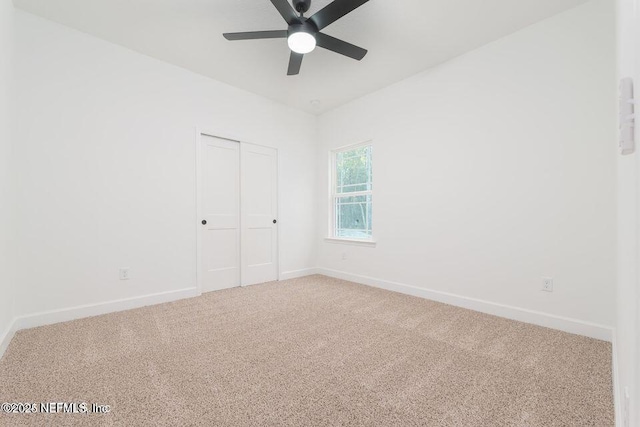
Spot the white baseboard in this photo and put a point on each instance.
(89, 310)
(6, 337)
(286, 275)
(528, 316)
(547, 320)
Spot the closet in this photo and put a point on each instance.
(237, 208)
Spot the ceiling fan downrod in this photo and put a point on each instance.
(301, 6)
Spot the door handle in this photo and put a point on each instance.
(274, 221)
(204, 222)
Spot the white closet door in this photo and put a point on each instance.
(220, 222)
(259, 193)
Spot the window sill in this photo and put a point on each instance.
(355, 242)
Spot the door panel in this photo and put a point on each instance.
(220, 166)
(259, 194)
(261, 252)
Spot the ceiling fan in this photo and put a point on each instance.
(304, 33)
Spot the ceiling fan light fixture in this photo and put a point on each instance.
(301, 42)
(303, 34)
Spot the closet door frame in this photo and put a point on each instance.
(199, 131)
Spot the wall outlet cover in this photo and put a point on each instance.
(547, 284)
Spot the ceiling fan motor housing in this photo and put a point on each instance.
(305, 26)
(301, 6)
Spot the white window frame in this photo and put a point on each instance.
(333, 154)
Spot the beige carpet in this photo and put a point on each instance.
(309, 352)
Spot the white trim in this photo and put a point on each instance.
(198, 209)
(230, 137)
(90, 310)
(617, 403)
(528, 316)
(332, 177)
(547, 320)
(354, 242)
(240, 218)
(294, 274)
(349, 147)
(354, 193)
(279, 224)
(7, 337)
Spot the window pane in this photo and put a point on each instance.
(353, 170)
(353, 217)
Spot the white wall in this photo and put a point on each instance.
(494, 170)
(628, 303)
(6, 177)
(107, 168)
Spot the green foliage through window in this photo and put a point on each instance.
(353, 193)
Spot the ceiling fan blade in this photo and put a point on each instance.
(340, 46)
(334, 11)
(286, 10)
(295, 61)
(253, 35)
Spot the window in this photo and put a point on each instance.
(352, 193)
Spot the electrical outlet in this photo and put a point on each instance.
(344, 256)
(124, 274)
(547, 284)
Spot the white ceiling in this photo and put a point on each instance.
(403, 38)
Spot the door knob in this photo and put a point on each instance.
(274, 221)
(204, 222)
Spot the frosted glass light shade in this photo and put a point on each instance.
(301, 42)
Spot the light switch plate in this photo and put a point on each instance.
(626, 138)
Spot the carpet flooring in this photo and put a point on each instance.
(313, 351)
